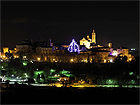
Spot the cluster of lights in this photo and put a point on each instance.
(133, 49)
(16, 56)
(85, 60)
(73, 47)
(32, 62)
(3, 57)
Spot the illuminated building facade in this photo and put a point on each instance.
(90, 43)
(85, 42)
(93, 37)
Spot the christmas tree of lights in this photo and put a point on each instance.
(73, 47)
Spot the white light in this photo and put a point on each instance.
(132, 48)
(111, 60)
(115, 54)
(12, 75)
(31, 61)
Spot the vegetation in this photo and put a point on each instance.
(94, 73)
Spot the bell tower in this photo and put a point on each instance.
(93, 37)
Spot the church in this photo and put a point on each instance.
(90, 43)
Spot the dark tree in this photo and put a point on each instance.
(43, 77)
(38, 78)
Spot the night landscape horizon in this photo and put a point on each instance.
(65, 52)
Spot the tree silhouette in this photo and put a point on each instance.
(38, 77)
(43, 77)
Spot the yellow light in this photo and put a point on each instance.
(71, 60)
(4, 56)
(24, 56)
(130, 59)
(104, 60)
(115, 54)
(85, 60)
(38, 59)
(53, 59)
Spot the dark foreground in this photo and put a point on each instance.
(53, 95)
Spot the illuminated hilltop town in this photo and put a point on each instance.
(88, 51)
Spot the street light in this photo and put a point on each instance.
(71, 60)
(38, 59)
(111, 60)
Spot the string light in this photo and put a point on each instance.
(73, 47)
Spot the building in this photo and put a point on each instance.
(44, 50)
(26, 46)
(88, 51)
(90, 43)
(85, 42)
(93, 37)
(124, 51)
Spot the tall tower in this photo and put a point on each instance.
(110, 44)
(94, 37)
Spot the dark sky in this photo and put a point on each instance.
(62, 21)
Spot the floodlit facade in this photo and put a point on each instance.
(90, 43)
(93, 37)
(87, 42)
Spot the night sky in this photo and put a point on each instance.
(62, 21)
